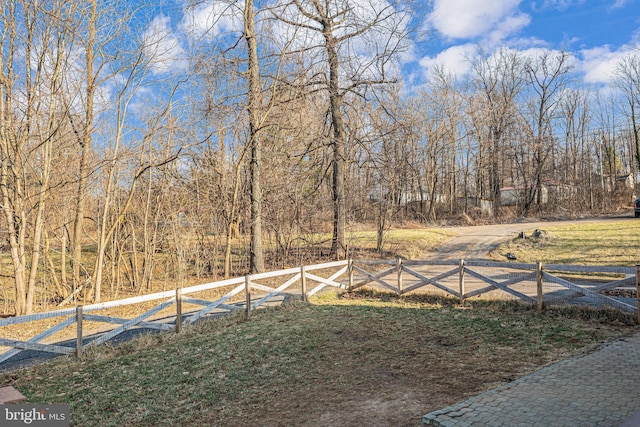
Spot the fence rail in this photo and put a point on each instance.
(463, 279)
(255, 294)
(533, 283)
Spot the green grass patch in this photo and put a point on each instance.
(359, 359)
(602, 243)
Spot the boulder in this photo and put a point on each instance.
(540, 234)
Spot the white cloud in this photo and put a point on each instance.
(213, 18)
(464, 19)
(556, 4)
(510, 25)
(162, 47)
(598, 63)
(455, 60)
(534, 53)
(619, 3)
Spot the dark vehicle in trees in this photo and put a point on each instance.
(636, 208)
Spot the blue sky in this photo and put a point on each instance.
(596, 32)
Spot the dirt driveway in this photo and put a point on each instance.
(475, 242)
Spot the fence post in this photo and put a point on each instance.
(539, 286)
(350, 273)
(399, 267)
(303, 283)
(79, 318)
(461, 280)
(247, 292)
(638, 290)
(178, 310)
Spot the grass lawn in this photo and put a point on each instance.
(598, 243)
(351, 360)
(407, 243)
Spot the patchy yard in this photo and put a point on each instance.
(361, 359)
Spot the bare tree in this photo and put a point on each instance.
(627, 79)
(445, 113)
(141, 163)
(257, 104)
(575, 111)
(84, 132)
(35, 45)
(391, 147)
(548, 75)
(96, 33)
(254, 104)
(335, 35)
(498, 80)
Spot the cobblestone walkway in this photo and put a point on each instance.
(601, 388)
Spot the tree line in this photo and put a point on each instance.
(130, 159)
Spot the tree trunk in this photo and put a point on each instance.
(636, 136)
(338, 244)
(85, 151)
(495, 175)
(256, 258)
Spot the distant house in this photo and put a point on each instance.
(626, 180)
(407, 197)
(558, 189)
(403, 197)
(515, 195)
(620, 181)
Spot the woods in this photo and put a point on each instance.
(268, 132)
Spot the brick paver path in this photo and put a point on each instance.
(10, 395)
(601, 388)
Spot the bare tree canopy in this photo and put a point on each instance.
(145, 145)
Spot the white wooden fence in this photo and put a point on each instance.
(246, 293)
(551, 284)
(533, 283)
